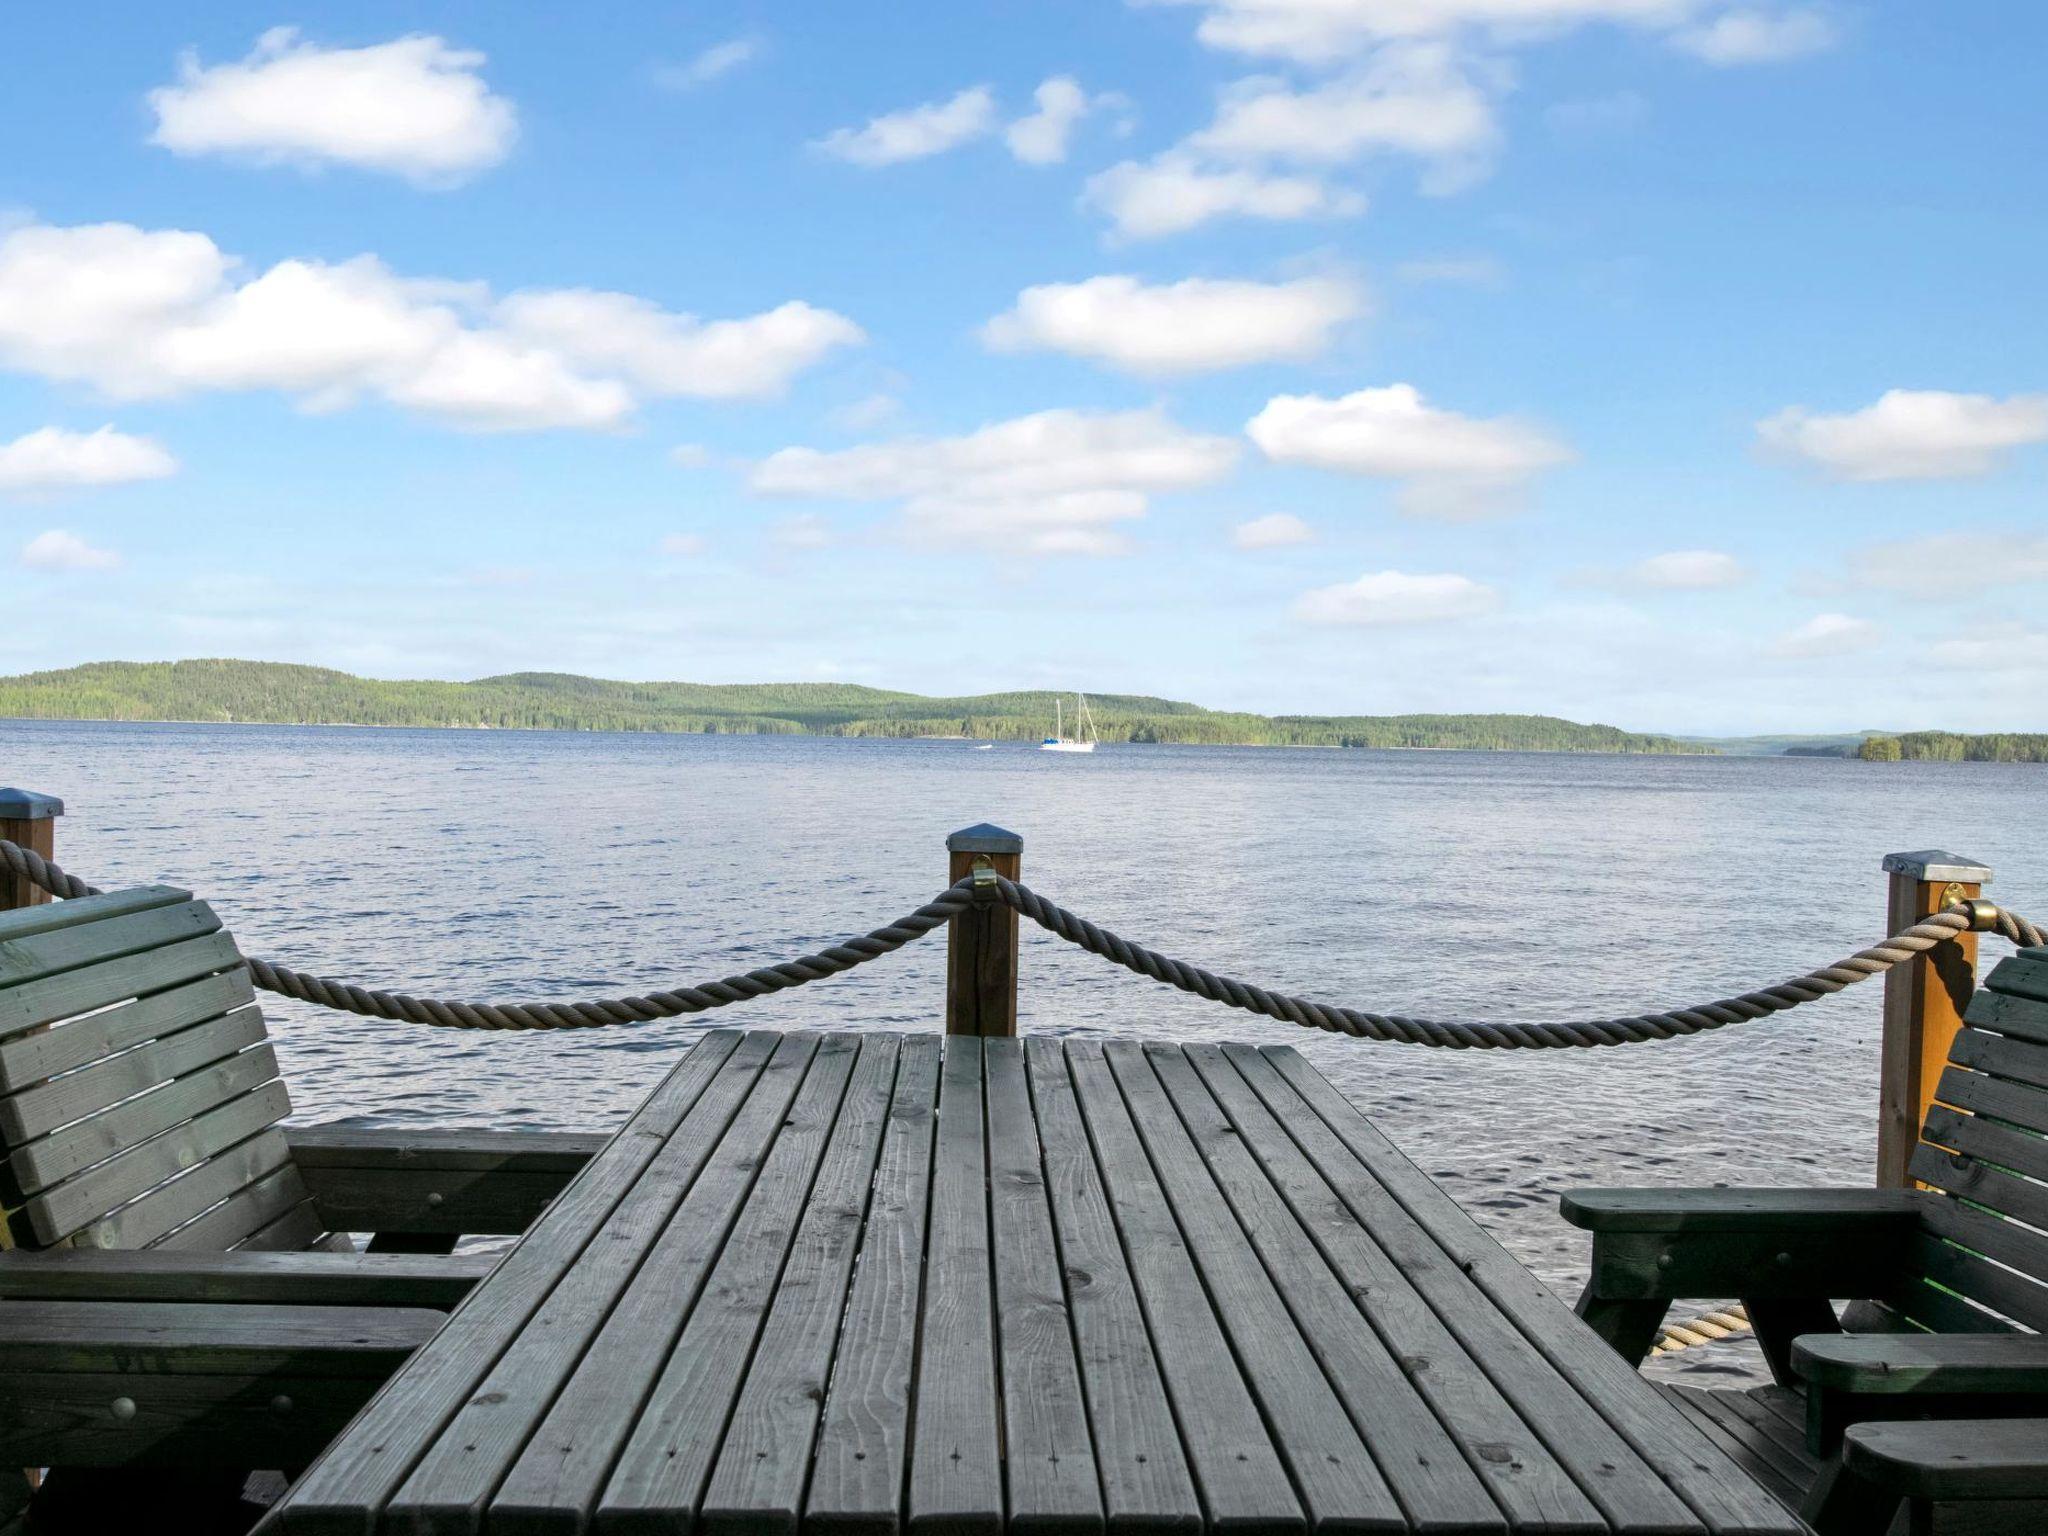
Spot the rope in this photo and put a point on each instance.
(348, 997)
(1707, 1328)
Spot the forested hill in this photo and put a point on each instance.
(270, 693)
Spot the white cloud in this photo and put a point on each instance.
(718, 60)
(1456, 271)
(807, 530)
(1413, 99)
(1759, 37)
(1995, 648)
(161, 313)
(1449, 466)
(1174, 192)
(671, 354)
(1828, 634)
(61, 551)
(1910, 434)
(866, 413)
(681, 546)
(1193, 326)
(1322, 31)
(1041, 137)
(53, 459)
(415, 107)
(1276, 530)
(1952, 564)
(1395, 597)
(916, 132)
(1058, 482)
(1688, 570)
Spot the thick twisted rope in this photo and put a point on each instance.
(986, 886)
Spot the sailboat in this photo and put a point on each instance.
(1059, 741)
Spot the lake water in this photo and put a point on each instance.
(525, 866)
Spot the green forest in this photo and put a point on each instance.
(271, 693)
(1948, 747)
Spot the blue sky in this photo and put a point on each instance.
(1673, 363)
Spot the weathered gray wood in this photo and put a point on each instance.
(1979, 1137)
(295, 1230)
(240, 1278)
(27, 922)
(669, 1455)
(456, 1150)
(40, 1110)
(1146, 1484)
(956, 1483)
(1982, 1183)
(1768, 1460)
(1651, 1426)
(765, 1457)
(1310, 1353)
(217, 1176)
(2021, 1061)
(1959, 1459)
(29, 1058)
(1890, 1363)
(249, 1210)
(583, 1379)
(44, 954)
(185, 1339)
(2020, 975)
(1735, 1210)
(1240, 1474)
(1049, 1457)
(1622, 1481)
(427, 1199)
(863, 1447)
(1530, 1484)
(2011, 1285)
(1930, 1293)
(359, 1471)
(2014, 1102)
(127, 1127)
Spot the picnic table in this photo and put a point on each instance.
(858, 1283)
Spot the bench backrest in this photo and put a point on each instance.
(139, 1095)
(1983, 1256)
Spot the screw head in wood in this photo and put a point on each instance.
(122, 1408)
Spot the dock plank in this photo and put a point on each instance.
(863, 1451)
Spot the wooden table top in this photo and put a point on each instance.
(868, 1282)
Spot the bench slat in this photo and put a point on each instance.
(171, 1205)
(1975, 1240)
(2016, 1103)
(185, 1338)
(49, 916)
(40, 1110)
(241, 1277)
(2021, 1061)
(152, 979)
(2020, 975)
(2025, 1017)
(46, 954)
(1981, 1183)
(246, 1211)
(1985, 1138)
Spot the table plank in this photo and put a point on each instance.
(864, 1432)
(1730, 1506)
(1239, 1474)
(956, 1477)
(362, 1468)
(447, 1490)
(1146, 1485)
(555, 1480)
(1523, 1475)
(758, 1484)
(1419, 1462)
(1344, 1489)
(1049, 1454)
(661, 1473)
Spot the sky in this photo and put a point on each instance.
(1676, 364)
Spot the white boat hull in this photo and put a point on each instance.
(1066, 746)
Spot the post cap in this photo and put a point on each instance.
(27, 805)
(1933, 864)
(984, 838)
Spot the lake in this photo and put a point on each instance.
(530, 866)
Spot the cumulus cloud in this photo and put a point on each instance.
(2007, 647)
(53, 459)
(1194, 326)
(1057, 482)
(1395, 597)
(1322, 31)
(61, 551)
(718, 60)
(917, 132)
(1448, 466)
(807, 530)
(158, 313)
(867, 413)
(1688, 570)
(1041, 137)
(1952, 564)
(1828, 634)
(1910, 434)
(1276, 530)
(1412, 99)
(416, 108)
(1175, 192)
(1759, 37)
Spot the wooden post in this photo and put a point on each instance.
(29, 819)
(981, 943)
(1923, 1000)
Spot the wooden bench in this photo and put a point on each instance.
(180, 1286)
(1949, 1281)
